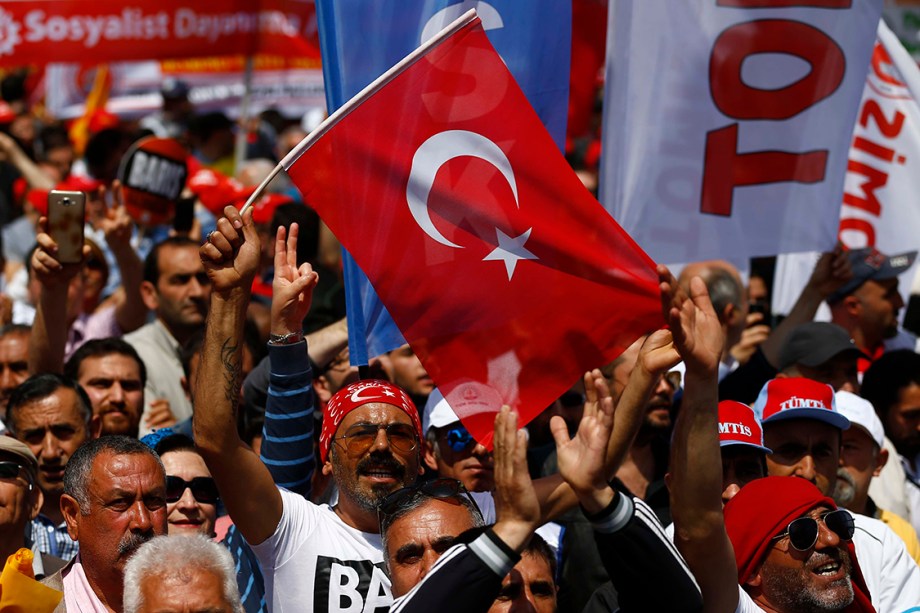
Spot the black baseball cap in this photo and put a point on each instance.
(868, 264)
(814, 343)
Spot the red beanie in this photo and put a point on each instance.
(357, 395)
(764, 508)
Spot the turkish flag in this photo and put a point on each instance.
(495, 262)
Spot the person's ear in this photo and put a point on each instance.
(852, 305)
(881, 459)
(70, 509)
(149, 295)
(36, 500)
(327, 468)
(756, 579)
(430, 458)
(321, 389)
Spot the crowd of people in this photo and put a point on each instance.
(184, 430)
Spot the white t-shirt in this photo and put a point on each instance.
(320, 564)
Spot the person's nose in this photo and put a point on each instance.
(827, 538)
(50, 447)
(141, 521)
(117, 394)
(805, 468)
(523, 604)
(382, 442)
(187, 501)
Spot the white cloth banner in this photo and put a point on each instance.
(727, 122)
(880, 205)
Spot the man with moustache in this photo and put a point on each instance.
(52, 416)
(114, 501)
(314, 557)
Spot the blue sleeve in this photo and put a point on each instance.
(249, 577)
(287, 436)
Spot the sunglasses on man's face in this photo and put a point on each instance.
(361, 437)
(203, 489)
(803, 532)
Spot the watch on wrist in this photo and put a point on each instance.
(285, 339)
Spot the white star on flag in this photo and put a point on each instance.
(510, 250)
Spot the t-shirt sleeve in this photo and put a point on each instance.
(299, 518)
(745, 604)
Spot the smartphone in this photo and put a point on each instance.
(185, 215)
(66, 216)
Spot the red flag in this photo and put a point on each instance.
(495, 262)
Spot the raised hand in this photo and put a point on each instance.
(44, 263)
(582, 458)
(115, 222)
(292, 287)
(831, 272)
(658, 355)
(694, 325)
(231, 253)
(517, 508)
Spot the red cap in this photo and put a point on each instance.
(357, 395)
(264, 208)
(216, 190)
(798, 398)
(738, 425)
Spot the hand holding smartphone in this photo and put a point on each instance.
(66, 217)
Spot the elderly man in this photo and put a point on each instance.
(862, 458)
(371, 442)
(20, 502)
(51, 415)
(181, 574)
(114, 501)
(802, 428)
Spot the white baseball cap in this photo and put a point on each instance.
(469, 398)
(861, 413)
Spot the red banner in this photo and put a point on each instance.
(114, 30)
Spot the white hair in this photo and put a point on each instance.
(180, 557)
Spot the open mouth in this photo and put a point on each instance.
(833, 570)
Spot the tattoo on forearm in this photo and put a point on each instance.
(230, 361)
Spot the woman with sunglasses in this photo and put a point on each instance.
(191, 494)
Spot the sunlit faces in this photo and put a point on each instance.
(188, 514)
(415, 541)
(53, 427)
(805, 448)
(528, 587)
(814, 580)
(127, 507)
(180, 296)
(368, 477)
(457, 455)
(113, 384)
(879, 302)
(407, 372)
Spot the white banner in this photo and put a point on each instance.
(727, 122)
(881, 199)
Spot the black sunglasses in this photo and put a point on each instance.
(803, 532)
(436, 488)
(203, 489)
(11, 470)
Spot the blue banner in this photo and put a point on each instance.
(361, 39)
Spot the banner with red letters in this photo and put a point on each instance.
(726, 134)
(43, 31)
(879, 207)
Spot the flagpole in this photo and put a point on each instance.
(357, 99)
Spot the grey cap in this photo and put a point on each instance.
(17, 448)
(814, 343)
